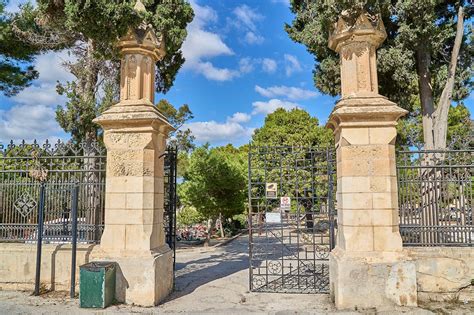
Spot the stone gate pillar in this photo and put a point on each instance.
(135, 135)
(368, 267)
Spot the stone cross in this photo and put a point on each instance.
(368, 267)
(135, 134)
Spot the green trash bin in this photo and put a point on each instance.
(97, 284)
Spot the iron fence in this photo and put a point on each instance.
(435, 190)
(26, 167)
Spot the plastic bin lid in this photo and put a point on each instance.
(97, 265)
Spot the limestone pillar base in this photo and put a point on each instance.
(371, 279)
(143, 278)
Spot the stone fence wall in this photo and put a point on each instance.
(444, 273)
(18, 265)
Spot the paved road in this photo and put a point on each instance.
(208, 281)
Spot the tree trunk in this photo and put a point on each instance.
(87, 87)
(221, 227)
(208, 236)
(423, 58)
(440, 126)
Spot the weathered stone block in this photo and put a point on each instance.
(444, 273)
(356, 136)
(384, 217)
(387, 238)
(368, 280)
(143, 200)
(113, 236)
(351, 184)
(356, 238)
(355, 201)
(384, 200)
(356, 217)
(382, 135)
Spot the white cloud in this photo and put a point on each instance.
(202, 45)
(212, 131)
(245, 21)
(203, 14)
(252, 38)
(239, 118)
(271, 106)
(44, 94)
(246, 65)
(291, 93)
(217, 74)
(28, 122)
(292, 64)
(32, 115)
(247, 17)
(269, 65)
(51, 69)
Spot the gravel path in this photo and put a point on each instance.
(208, 281)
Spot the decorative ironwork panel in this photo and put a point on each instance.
(436, 191)
(291, 218)
(171, 164)
(24, 167)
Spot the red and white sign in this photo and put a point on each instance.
(285, 203)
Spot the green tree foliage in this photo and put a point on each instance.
(16, 70)
(188, 216)
(413, 62)
(293, 127)
(215, 181)
(182, 139)
(90, 30)
(460, 128)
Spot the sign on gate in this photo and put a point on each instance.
(271, 190)
(273, 217)
(285, 204)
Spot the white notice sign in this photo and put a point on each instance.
(285, 203)
(272, 217)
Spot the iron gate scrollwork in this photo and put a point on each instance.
(291, 218)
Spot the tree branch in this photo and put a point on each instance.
(440, 125)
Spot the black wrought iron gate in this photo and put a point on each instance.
(171, 169)
(291, 218)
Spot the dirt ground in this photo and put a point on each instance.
(211, 280)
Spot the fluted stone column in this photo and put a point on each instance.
(135, 134)
(368, 267)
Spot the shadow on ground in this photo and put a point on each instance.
(197, 269)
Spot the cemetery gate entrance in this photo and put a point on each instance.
(291, 218)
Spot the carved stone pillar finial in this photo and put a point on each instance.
(356, 40)
(140, 50)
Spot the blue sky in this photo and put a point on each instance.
(240, 66)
